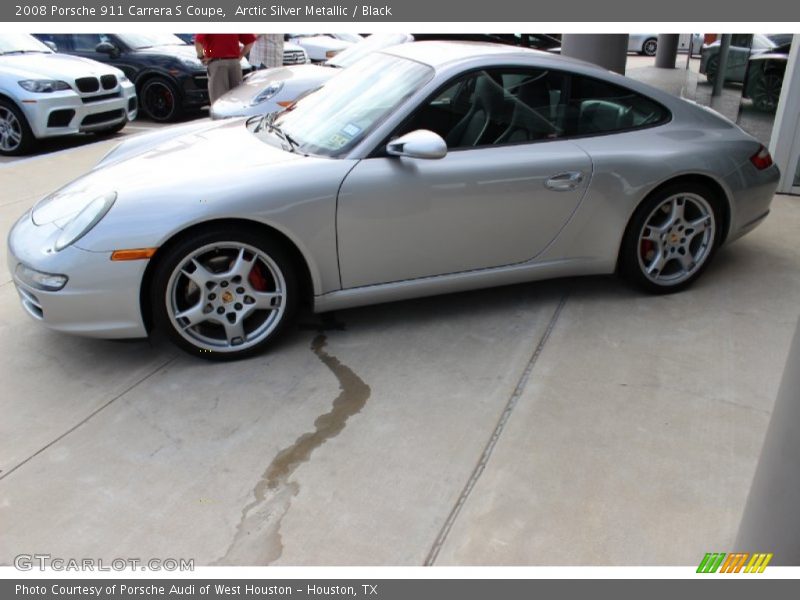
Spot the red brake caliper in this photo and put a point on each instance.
(647, 247)
(257, 279)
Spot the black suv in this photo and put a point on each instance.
(168, 76)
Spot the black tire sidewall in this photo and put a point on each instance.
(629, 251)
(28, 140)
(177, 252)
(176, 110)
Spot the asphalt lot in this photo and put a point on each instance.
(575, 421)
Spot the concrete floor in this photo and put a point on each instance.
(567, 422)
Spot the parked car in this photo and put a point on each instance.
(422, 169)
(643, 43)
(743, 46)
(764, 78)
(168, 76)
(319, 47)
(274, 89)
(43, 94)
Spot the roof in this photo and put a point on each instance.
(441, 52)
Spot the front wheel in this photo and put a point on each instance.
(16, 137)
(671, 238)
(224, 294)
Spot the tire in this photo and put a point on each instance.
(160, 100)
(16, 137)
(766, 91)
(672, 237)
(650, 47)
(224, 293)
(712, 68)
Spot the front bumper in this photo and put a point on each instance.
(100, 298)
(66, 113)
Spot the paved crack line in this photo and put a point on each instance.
(87, 418)
(522, 382)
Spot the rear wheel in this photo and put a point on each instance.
(671, 238)
(160, 99)
(16, 136)
(650, 47)
(224, 294)
(766, 91)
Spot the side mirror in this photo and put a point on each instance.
(418, 144)
(106, 48)
(51, 45)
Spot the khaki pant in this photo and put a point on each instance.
(223, 74)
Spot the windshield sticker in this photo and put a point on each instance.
(337, 141)
(351, 130)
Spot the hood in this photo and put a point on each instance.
(180, 51)
(321, 43)
(294, 80)
(52, 66)
(186, 161)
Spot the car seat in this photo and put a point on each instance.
(476, 126)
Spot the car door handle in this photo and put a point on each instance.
(564, 182)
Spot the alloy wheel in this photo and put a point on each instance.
(766, 92)
(159, 100)
(226, 297)
(676, 239)
(650, 47)
(10, 130)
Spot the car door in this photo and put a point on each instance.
(501, 194)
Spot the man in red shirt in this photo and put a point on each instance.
(222, 52)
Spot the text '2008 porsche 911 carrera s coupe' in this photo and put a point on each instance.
(425, 168)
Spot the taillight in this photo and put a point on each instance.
(761, 159)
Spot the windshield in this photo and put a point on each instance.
(336, 117)
(137, 41)
(21, 42)
(373, 43)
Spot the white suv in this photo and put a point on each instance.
(45, 94)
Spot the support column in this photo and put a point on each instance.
(609, 50)
(719, 81)
(771, 521)
(785, 141)
(667, 52)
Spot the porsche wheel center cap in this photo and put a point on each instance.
(227, 297)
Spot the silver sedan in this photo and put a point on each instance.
(423, 169)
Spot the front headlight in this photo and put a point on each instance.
(43, 86)
(83, 222)
(267, 93)
(193, 63)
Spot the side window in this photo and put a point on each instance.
(86, 42)
(494, 107)
(599, 107)
(741, 40)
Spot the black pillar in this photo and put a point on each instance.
(609, 50)
(667, 52)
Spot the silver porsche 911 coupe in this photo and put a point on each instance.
(423, 169)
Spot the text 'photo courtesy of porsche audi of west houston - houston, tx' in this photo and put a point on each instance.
(425, 168)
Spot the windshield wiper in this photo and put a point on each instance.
(24, 52)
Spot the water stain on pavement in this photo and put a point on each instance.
(258, 540)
